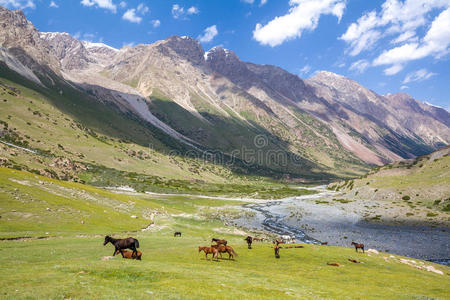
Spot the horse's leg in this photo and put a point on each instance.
(363, 249)
(115, 250)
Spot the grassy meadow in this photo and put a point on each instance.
(66, 263)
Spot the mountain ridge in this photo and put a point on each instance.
(216, 102)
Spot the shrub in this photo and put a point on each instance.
(406, 198)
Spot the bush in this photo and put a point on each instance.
(406, 198)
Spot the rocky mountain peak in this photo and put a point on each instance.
(186, 47)
(22, 40)
(70, 51)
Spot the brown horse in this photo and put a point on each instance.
(129, 254)
(258, 239)
(209, 250)
(120, 244)
(227, 249)
(358, 246)
(219, 242)
(249, 240)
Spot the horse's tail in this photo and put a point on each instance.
(136, 243)
(234, 253)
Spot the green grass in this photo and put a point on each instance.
(68, 265)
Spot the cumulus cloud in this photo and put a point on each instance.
(18, 4)
(399, 22)
(396, 18)
(302, 15)
(155, 23)
(53, 4)
(130, 15)
(179, 12)
(134, 15)
(106, 4)
(208, 34)
(359, 66)
(404, 87)
(122, 4)
(418, 75)
(435, 43)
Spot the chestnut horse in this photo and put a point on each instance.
(358, 246)
(129, 254)
(227, 249)
(209, 250)
(120, 244)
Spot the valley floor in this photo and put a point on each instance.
(73, 219)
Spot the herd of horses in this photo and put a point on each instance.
(120, 246)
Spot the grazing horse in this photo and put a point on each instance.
(258, 239)
(276, 249)
(358, 246)
(129, 254)
(209, 250)
(219, 242)
(120, 244)
(223, 249)
(249, 240)
(177, 234)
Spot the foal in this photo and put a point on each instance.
(129, 254)
(358, 246)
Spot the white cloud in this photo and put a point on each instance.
(248, 1)
(134, 15)
(155, 23)
(53, 4)
(106, 4)
(418, 75)
(192, 10)
(262, 2)
(142, 9)
(179, 11)
(396, 18)
(122, 4)
(130, 44)
(359, 66)
(435, 43)
(404, 87)
(394, 69)
(305, 70)
(18, 4)
(303, 15)
(130, 15)
(208, 34)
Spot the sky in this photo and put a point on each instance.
(388, 46)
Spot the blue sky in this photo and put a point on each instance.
(388, 46)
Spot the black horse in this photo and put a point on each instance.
(219, 242)
(177, 234)
(120, 244)
(249, 240)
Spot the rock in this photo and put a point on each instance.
(105, 258)
(373, 251)
(82, 222)
(48, 209)
(134, 217)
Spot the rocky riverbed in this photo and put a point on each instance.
(317, 218)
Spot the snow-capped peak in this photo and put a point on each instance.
(89, 45)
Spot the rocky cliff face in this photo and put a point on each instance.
(213, 100)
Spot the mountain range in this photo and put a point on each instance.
(176, 98)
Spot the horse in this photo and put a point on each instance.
(223, 249)
(177, 234)
(119, 244)
(219, 242)
(258, 239)
(129, 254)
(324, 243)
(209, 250)
(249, 240)
(358, 246)
(276, 249)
